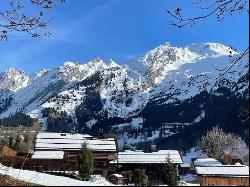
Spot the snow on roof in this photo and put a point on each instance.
(94, 147)
(117, 175)
(48, 155)
(72, 141)
(66, 141)
(207, 162)
(185, 165)
(134, 157)
(45, 135)
(227, 170)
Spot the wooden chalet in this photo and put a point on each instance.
(67, 146)
(202, 162)
(117, 179)
(224, 175)
(183, 169)
(153, 162)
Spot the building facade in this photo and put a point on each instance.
(225, 175)
(153, 162)
(67, 146)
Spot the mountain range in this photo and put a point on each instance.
(169, 96)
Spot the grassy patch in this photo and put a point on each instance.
(7, 181)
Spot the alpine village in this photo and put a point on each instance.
(165, 104)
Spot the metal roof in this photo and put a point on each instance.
(66, 141)
(159, 157)
(225, 170)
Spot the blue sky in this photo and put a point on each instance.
(117, 29)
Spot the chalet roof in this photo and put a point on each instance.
(45, 135)
(117, 175)
(185, 165)
(54, 141)
(207, 162)
(73, 141)
(48, 155)
(225, 170)
(64, 147)
(160, 157)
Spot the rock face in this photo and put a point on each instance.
(160, 96)
(13, 80)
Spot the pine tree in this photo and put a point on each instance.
(18, 139)
(150, 132)
(170, 174)
(161, 134)
(85, 163)
(26, 139)
(140, 177)
(18, 143)
(11, 142)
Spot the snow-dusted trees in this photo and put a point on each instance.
(216, 142)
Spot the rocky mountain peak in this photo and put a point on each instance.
(211, 49)
(13, 80)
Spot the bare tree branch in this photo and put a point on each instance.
(218, 8)
(233, 62)
(16, 19)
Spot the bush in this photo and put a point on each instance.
(216, 142)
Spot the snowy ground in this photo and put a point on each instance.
(182, 183)
(193, 153)
(51, 180)
(189, 178)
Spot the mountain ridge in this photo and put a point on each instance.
(104, 94)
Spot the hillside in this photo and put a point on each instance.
(170, 95)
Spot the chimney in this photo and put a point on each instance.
(100, 133)
(153, 148)
(227, 158)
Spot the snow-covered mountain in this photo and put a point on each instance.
(13, 80)
(124, 98)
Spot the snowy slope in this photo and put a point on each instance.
(50, 180)
(48, 83)
(160, 78)
(180, 73)
(165, 72)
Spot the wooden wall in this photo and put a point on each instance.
(101, 159)
(73, 155)
(38, 164)
(223, 181)
(69, 163)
